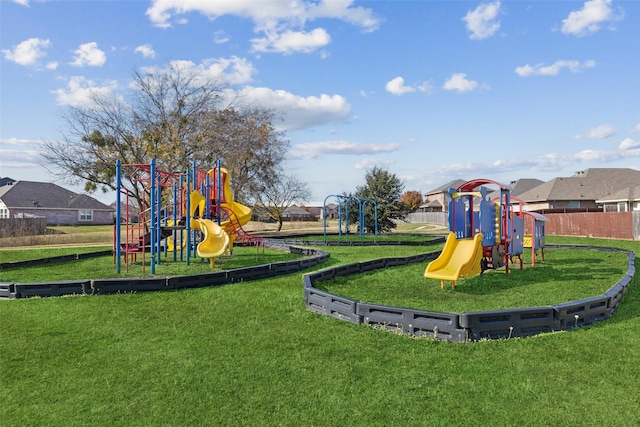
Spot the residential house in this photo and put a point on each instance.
(580, 192)
(625, 200)
(437, 200)
(331, 211)
(295, 213)
(21, 199)
(315, 212)
(522, 185)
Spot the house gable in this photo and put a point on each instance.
(57, 204)
(627, 199)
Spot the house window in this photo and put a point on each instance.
(574, 204)
(636, 206)
(4, 213)
(622, 206)
(85, 215)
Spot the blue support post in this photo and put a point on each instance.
(187, 215)
(219, 189)
(174, 233)
(158, 226)
(118, 247)
(152, 216)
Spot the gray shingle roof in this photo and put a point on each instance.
(444, 188)
(523, 185)
(29, 194)
(590, 184)
(624, 195)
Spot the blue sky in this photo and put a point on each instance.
(430, 90)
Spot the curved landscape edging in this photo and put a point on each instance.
(313, 257)
(468, 326)
(16, 290)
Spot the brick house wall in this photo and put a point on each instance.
(66, 216)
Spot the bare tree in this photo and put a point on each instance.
(248, 144)
(174, 115)
(279, 193)
(95, 138)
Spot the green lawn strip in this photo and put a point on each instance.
(565, 275)
(251, 354)
(13, 255)
(356, 238)
(104, 267)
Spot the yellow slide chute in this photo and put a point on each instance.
(218, 238)
(459, 258)
(215, 241)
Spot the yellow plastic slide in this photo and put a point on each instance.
(215, 242)
(460, 258)
(240, 214)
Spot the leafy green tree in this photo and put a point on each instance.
(386, 190)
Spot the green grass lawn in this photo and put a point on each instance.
(104, 267)
(251, 354)
(566, 275)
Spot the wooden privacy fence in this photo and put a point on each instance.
(440, 218)
(607, 225)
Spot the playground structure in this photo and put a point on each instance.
(486, 237)
(202, 219)
(344, 201)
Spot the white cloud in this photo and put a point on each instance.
(459, 82)
(555, 68)
(282, 23)
(600, 132)
(313, 150)
(369, 163)
(288, 42)
(482, 22)
(426, 87)
(298, 112)
(22, 2)
(19, 153)
(396, 86)
(146, 51)
(590, 18)
(628, 144)
(80, 91)
(220, 37)
(545, 163)
(225, 71)
(88, 54)
(27, 52)
(636, 128)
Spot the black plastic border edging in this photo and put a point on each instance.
(9, 290)
(470, 326)
(61, 258)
